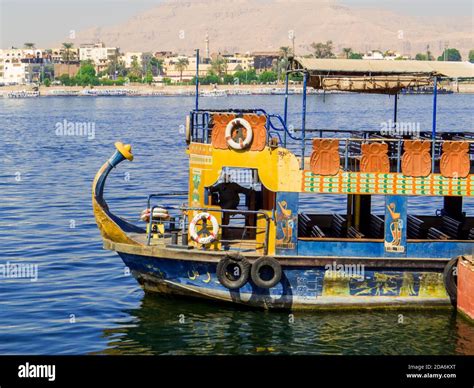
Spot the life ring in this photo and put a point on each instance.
(271, 267)
(242, 143)
(233, 272)
(212, 236)
(158, 213)
(450, 279)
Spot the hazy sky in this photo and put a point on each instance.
(47, 21)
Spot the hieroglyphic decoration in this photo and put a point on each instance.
(374, 158)
(200, 154)
(325, 157)
(391, 183)
(416, 159)
(455, 161)
(395, 232)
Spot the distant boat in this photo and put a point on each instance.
(214, 93)
(23, 94)
(425, 90)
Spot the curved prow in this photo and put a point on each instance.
(111, 227)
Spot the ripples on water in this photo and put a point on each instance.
(46, 219)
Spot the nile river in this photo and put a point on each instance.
(84, 302)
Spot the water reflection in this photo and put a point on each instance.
(172, 326)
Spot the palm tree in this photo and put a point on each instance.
(347, 51)
(181, 65)
(285, 52)
(219, 66)
(29, 45)
(67, 54)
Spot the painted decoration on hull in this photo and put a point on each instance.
(305, 285)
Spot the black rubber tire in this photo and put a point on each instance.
(450, 280)
(222, 274)
(236, 256)
(266, 261)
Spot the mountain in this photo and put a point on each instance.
(265, 25)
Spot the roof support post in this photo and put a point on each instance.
(197, 79)
(285, 114)
(303, 118)
(433, 129)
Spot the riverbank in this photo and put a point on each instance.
(145, 90)
(172, 90)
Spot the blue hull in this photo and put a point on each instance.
(300, 287)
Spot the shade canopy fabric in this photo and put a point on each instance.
(377, 76)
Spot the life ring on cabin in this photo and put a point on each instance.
(238, 141)
(159, 213)
(211, 235)
(266, 272)
(233, 271)
(450, 279)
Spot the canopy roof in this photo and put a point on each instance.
(377, 76)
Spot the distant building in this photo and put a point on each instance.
(70, 69)
(374, 55)
(59, 55)
(172, 72)
(129, 57)
(389, 55)
(264, 61)
(239, 61)
(163, 54)
(100, 55)
(12, 69)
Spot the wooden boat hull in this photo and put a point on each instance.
(321, 286)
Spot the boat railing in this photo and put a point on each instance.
(350, 145)
(179, 223)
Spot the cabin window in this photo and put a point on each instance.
(340, 216)
(440, 218)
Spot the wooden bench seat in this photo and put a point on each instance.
(452, 227)
(436, 234)
(338, 225)
(415, 228)
(376, 226)
(354, 233)
(317, 232)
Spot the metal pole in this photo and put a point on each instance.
(433, 130)
(197, 79)
(303, 118)
(285, 115)
(395, 111)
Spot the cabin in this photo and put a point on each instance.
(271, 170)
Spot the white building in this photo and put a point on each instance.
(12, 69)
(100, 55)
(129, 57)
(373, 54)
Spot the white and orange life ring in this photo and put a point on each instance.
(243, 143)
(158, 213)
(212, 235)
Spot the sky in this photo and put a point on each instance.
(44, 22)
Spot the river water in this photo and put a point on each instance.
(84, 302)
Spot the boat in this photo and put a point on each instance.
(23, 94)
(214, 93)
(242, 237)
